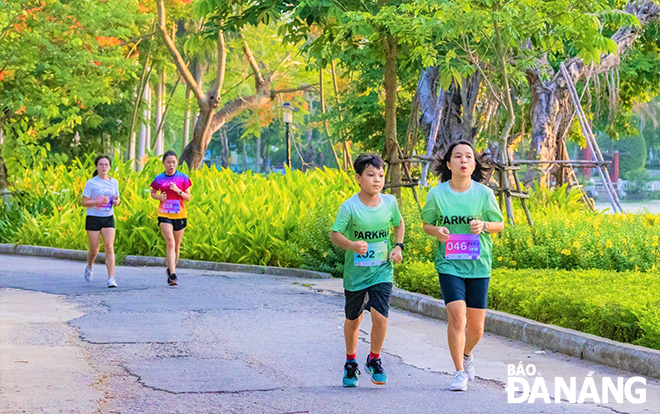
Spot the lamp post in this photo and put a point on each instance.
(288, 118)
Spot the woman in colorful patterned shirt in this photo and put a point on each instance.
(172, 189)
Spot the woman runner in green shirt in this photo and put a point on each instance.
(462, 213)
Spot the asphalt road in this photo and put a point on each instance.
(235, 343)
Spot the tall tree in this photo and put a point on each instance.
(64, 64)
(220, 21)
(534, 38)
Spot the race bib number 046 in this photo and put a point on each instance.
(376, 255)
(463, 247)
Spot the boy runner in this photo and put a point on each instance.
(362, 227)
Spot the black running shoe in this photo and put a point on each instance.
(375, 368)
(172, 280)
(351, 372)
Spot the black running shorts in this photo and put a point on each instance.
(376, 296)
(94, 223)
(177, 224)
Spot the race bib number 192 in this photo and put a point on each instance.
(376, 255)
(463, 247)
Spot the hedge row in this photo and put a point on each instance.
(623, 306)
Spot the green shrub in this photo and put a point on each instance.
(621, 306)
(420, 277)
(285, 220)
(581, 241)
(632, 151)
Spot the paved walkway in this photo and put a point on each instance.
(236, 343)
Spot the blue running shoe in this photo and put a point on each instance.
(375, 368)
(351, 372)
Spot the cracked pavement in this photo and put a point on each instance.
(235, 343)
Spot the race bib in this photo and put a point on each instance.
(170, 206)
(463, 247)
(105, 207)
(376, 255)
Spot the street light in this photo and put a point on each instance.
(288, 118)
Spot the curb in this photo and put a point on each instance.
(80, 255)
(636, 359)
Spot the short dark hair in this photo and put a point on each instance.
(482, 165)
(96, 163)
(364, 160)
(168, 153)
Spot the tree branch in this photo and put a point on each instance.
(275, 92)
(178, 60)
(253, 62)
(214, 94)
(262, 97)
(646, 12)
(135, 39)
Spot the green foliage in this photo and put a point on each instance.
(63, 70)
(559, 200)
(285, 221)
(580, 240)
(638, 179)
(632, 151)
(590, 301)
(420, 277)
(234, 218)
(620, 306)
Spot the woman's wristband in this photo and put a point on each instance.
(485, 229)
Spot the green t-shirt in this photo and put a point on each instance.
(372, 225)
(453, 210)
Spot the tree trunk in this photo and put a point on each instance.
(264, 152)
(391, 142)
(551, 109)
(502, 54)
(325, 122)
(225, 147)
(145, 129)
(3, 168)
(208, 121)
(193, 153)
(245, 156)
(160, 113)
(257, 158)
(457, 119)
(186, 119)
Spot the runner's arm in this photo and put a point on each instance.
(494, 226)
(442, 233)
(185, 195)
(339, 240)
(399, 232)
(88, 202)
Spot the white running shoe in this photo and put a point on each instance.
(112, 283)
(460, 381)
(468, 364)
(88, 274)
